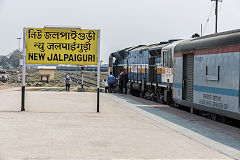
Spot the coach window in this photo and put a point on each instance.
(170, 60)
(164, 58)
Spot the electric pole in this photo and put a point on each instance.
(19, 39)
(201, 30)
(216, 13)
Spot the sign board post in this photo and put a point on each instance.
(72, 46)
(82, 77)
(23, 70)
(98, 71)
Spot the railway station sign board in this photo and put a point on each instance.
(61, 46)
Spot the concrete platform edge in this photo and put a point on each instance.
(226, 150)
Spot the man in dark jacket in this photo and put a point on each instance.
(120, 79)
(125, 81)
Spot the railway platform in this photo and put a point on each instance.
(65, 125)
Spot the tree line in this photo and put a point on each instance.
(11, 60)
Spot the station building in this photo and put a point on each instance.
(46, 73)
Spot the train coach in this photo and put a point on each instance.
(206, 74)
(202, 73)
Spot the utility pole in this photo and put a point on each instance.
(201, 31)
(216, 13)
(19, 39)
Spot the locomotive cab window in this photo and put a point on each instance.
(114, 61)
(167, 59)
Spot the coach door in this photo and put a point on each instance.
(188, 68)
(152, 69)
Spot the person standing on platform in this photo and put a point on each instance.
(120, 79)
(68, 82)
(125, 80)
(105, 85)
(111, 81)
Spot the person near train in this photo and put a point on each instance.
(111, 81)
(120, 81)
(68, 82)
(105, 85)
(123, 79)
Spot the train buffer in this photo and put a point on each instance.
(65, 125)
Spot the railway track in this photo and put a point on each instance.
(85, 76)
(85, 83)
(78, 80)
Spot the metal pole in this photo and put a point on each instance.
(19, 39)
(216, 16)
(98, 71)
(82, 77)
(216, 13)
(23, 70)
(201, 30)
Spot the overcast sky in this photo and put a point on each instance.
(123, 23)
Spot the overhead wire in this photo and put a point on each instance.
(209, 17)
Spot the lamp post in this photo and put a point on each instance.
(19, 39)
(100, 69)
(216, 13)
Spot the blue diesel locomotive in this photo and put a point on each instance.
(202, 73)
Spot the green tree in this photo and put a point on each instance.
(14, 58)
(3, 61)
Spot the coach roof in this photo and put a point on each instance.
(157, 46)
(120, 54)
(210, 41)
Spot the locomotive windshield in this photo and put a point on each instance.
(167, 59)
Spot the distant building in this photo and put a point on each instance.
(46, 73)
